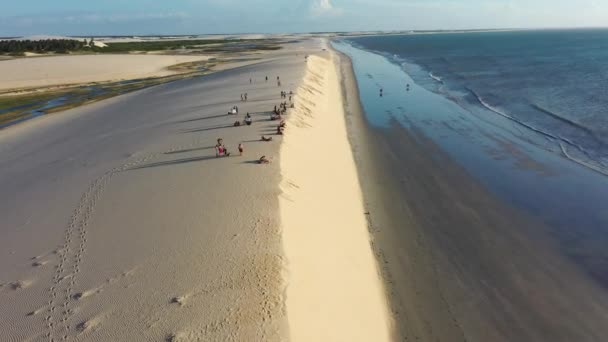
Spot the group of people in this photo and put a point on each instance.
(281, 127)
(220, 148)
(247, 121)
(281, 109)
(284, 95)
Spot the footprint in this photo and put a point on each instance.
(88, 325)
(20, 284)
(175, 337)
(37, 311)
(181, 300)
(39, 263)
(87, 293)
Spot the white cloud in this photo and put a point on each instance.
(324, 8)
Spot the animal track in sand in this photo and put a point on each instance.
(71, 255)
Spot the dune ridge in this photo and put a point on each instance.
(334, 292)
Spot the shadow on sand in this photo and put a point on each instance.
(190, 150)
(203, 118)
(204, 129)
(175, 162)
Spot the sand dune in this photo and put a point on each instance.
(334, 291)
(60, 70)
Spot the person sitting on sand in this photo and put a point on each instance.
(275, 117)
(221, 151)
(263, 160)
(248, 120)
(266, 139)
(237, 123)
(279, 130)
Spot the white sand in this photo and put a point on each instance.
(60, 70)
(119, 224)
(334, 290)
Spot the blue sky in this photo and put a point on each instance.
(138, 17)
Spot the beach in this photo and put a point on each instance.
(392, 215)
(462, 260)
(120, 223)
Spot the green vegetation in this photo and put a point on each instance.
(17, 47)
(156, 45)
(16, 107)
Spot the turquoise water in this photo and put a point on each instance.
(517, 163)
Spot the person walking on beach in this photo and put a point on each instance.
(250, 81)
(266, 78)
(241, 148)
(245, 96)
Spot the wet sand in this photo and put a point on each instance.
(461, 264)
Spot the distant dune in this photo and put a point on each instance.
(60, 70)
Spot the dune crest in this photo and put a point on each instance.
(334, 292)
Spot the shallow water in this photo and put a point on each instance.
(514, 162)
(549, 81)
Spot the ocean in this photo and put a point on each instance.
(523, 112)
(553, 82)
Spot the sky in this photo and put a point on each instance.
(156, 17)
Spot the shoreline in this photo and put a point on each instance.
(455, 267)
(334, 291)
